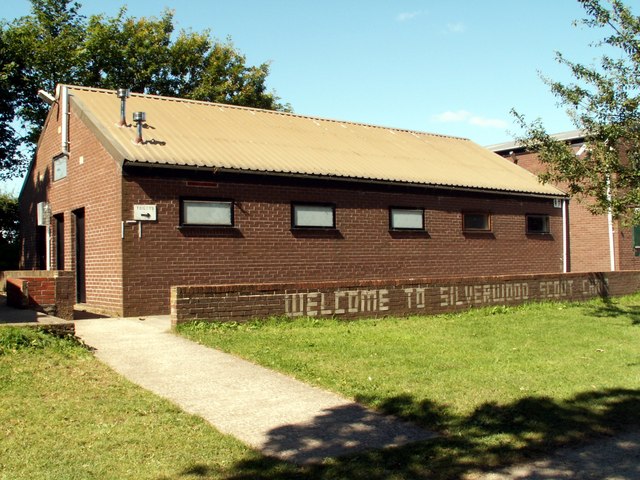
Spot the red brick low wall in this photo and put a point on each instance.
(382, 298)
(17, 292)
(50, 291)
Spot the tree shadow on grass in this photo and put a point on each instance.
(609, 308)
(492, 436)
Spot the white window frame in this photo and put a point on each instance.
(60, 166)
(216, 221)
(313, 215)
(398, 217)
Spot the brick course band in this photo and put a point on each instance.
(375, 298)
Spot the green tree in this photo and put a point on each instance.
(56, 44)
(9, 228)
(603, 101)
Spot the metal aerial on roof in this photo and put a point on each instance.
(139, 118)
(123, 94)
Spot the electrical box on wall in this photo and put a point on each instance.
(43, 214)
(144, 212)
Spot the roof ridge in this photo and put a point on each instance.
(264, 110)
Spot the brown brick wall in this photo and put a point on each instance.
(93, 182)
(264, 248)
(383, 298)
(589, 234)
(625, 249)
(17, 292)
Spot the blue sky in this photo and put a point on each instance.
(454, 67)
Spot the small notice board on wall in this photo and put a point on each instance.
(144, 212)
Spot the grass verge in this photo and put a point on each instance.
(501, 384)
(64, 415)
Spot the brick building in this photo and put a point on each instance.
(204, 193)
(597, 243)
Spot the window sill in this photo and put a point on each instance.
(207, 227)
(307, 229)
(408, 233)
(316, 232)
(209, 231)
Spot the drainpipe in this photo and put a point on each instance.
(612, 253)
(48, 247)
(64, 97)
(565, 237)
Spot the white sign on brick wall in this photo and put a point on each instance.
(144, 212)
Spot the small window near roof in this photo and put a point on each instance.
(476, 222)
(406, 219)
(538, 224)
(313, 216)
(216, 213)
(59, 167)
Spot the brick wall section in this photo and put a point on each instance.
(17, 292)
(383, 298)
(589, 242)
(263, 248)
(49, 291)
(625, 249)
(93, 183)
(589, 234)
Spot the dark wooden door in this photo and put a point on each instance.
(59, 241)
(81, 289)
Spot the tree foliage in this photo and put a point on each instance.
(602, 100)
(57, 44)
(9, 228)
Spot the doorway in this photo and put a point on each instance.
(81, 289)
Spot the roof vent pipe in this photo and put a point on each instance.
(139, 118)
(123, 94)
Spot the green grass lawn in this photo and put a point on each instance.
(64, 415)
(501, 384)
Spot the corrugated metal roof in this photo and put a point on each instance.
(570, 136)
(189, 133)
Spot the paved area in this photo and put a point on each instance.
(615, 458)
(18, 317)
(273, 413)
(24, 316)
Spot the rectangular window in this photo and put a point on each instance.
(538, 224)
(406, 218)
(636, 240)
(476, 222)
(217, 213)
(59, 167)
(313, 216)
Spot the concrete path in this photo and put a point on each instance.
(273, 413)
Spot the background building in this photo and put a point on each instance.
(597, 243)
